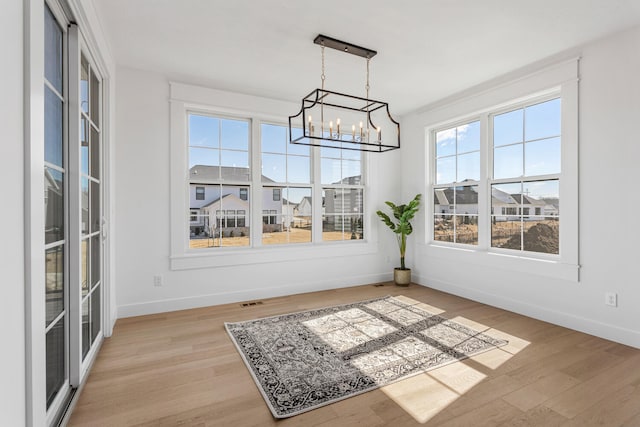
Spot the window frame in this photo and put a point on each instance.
(558, 80)
(187, 98)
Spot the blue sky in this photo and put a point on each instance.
(225, 142)
(526, 143)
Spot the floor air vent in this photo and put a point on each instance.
(378, 285)
(250, 304)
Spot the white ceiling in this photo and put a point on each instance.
(427, 49)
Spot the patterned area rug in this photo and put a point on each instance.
(305, 360)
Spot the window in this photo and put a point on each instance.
(455, 193)
(199, 193)
(342, 194)
(526, 178)
(246, 164)
(218, 175)
(521, 187)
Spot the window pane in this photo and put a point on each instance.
(84, 202)
(443, 230)
(52, 50)
(331, 153)
(274, 168)
(204, 157)
(547, 192)
(444, 201)
(331, 171)
(236, 159)
(235, 134)
(542, 157)
(507, 162)
(467, 229)
(95, 313)
(84, 146)
(94, 195)
(506, 232)
(541, 235)
(542, 120)
(55, 349)
(299, 169)
(95, 153)
(53, 128)
(95, 97)
(469, 167)
(54, 270)
(333, 228)
(274, 139)
(204, 131)
(84, 85)
(351, 172)
(446, 142)
(446, 170)
(218, 222)
(343, 213)
(293, 224)
(508, 128)
(53, 205)
(86, 327)
(466, 200)
(469, 137)
(95, 260)
(352, 155)
(84, 265)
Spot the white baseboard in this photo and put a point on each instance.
(578, 323)
(163, 306)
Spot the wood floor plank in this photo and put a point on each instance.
(181, 368)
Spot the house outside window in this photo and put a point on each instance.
(276, 194)
(244, 194)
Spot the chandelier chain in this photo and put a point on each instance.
(322, 77)
(367, 85)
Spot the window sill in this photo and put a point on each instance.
(551, 267)
(228, 257)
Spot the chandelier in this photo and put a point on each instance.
(337, 120)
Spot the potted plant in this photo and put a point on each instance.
(402, 227)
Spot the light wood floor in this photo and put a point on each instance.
(181, 368)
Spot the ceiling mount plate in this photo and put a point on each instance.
(344, 46)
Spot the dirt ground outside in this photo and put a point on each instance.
(296, 235)
(501, 233)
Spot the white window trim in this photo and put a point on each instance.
(560, 79)
(184, 98)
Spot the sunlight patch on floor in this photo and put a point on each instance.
(425, 395)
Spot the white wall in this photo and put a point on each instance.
(12, 303)
(609, 152)
(143, 235)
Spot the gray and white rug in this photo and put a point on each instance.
(305, 360)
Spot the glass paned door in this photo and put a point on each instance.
(55, 208)
(89, 148)
(87, 152)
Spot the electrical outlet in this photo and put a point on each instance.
(157, 280)
(611, 298)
